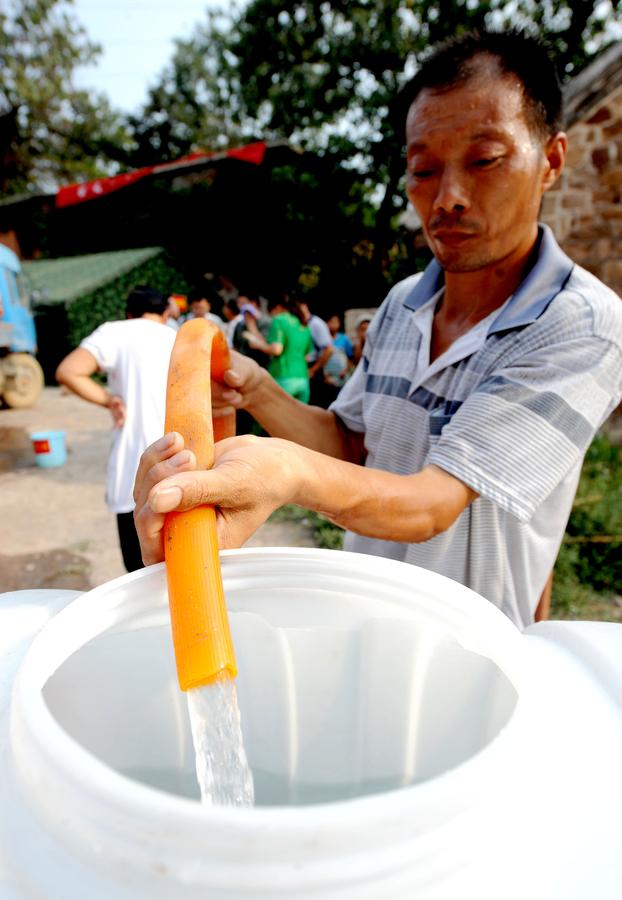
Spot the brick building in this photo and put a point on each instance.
(584, 208)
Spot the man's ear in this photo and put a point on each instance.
(555, 155)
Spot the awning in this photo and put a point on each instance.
(72, 194)
(92, 190)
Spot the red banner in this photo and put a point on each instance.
(91, 190)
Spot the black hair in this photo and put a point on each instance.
(288, 303)
(209, 293)
(247, 291)
(198, 294)
(143, 299)
(455, 61)
(205, 292)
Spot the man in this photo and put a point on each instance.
(255, 325)
(340, 338)
(233, 319)
(134, 354)
(339, 364)
(177, 305)
(319, 356)
(457, 443)
(200, 305)
(362, 327)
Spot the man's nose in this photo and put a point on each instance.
(452, 194)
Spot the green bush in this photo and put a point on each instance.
(107, 303)
(593, 539)
(325, 534)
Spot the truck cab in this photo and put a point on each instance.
(21, 376)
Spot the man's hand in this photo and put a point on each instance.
(117, 410)
(251, 478)
(243, 381)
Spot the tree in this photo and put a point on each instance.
(53, 132)
(327, 73)
(324, 75)
(196, 101)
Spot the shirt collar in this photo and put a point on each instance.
(545, 279)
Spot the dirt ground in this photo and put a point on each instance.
(55, 528)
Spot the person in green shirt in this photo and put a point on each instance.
(289, 343)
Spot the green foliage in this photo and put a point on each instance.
(53, 133)
(593, 542)
(108, 302)
(326, 534)
(324, 75)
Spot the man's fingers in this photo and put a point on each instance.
(149, 528)
(233, 378)
(184, 491)
(166, 448)
(222, 411)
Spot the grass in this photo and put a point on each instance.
(588, 573)
(326, 535)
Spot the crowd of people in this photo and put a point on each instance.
(309, 357)
(134, 354)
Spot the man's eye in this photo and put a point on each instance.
(486, 161)
(421, 173)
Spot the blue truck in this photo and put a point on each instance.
(21, 376)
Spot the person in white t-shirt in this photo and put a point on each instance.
(134, 353)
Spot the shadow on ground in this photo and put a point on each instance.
(15, 449)
(54, 569)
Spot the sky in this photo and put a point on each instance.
(137, 42)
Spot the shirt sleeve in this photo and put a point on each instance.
(320, 332)
(520, 432)
(349, 403)
(102, 345)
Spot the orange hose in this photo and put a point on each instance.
(199, 621)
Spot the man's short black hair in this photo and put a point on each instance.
(204, 292)
(143, 299)
(455, 61)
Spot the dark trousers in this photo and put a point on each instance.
(322, 394)
(130, 546)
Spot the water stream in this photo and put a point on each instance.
(223, 772)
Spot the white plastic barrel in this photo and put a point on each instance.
(400, 729)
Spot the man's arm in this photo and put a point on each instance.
(252, 388)
(75, 373)
(321, 361)
(258, 342)
(254, 476)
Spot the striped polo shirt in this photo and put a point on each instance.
(509, 409)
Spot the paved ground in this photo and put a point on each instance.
(55, 529)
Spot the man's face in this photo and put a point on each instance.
(199, 308)
(475, 171)
(333, 325)
(361, 329)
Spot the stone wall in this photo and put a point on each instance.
(584, 208)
